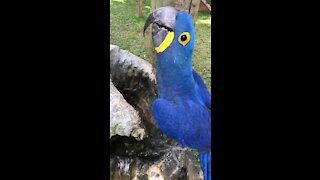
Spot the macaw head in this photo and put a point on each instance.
(172, 34)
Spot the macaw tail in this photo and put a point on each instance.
(205, 161)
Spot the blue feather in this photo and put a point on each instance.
(183, 108)
(184, 120)
(205, 162)
(206, 96)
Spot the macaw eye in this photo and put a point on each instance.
(184, 38)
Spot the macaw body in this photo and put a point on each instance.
(183, 108)
(183, 115)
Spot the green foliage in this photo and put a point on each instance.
(126, 27)
(202, 48)
(196, 154)
(126, 31)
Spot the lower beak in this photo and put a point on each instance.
(163, 20)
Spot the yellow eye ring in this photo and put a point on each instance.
(184, 38)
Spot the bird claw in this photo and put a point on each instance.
(173, 150)
(174, 156)
(178, 148)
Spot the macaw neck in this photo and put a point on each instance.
(174, 77)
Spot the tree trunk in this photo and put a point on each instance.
(140, 8)
(191, 6)
(206, 4)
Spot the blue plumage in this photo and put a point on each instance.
(183, 108)
(205, 161)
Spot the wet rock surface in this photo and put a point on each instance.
(139, 150)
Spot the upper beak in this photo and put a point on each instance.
(163, 20)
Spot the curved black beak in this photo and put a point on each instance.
(163, 20)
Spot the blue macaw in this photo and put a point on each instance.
(183, 108)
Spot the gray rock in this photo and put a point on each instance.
(124, 120)
(139, 150)
(164, 168)
(135, 80)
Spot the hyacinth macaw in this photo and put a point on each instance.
(183, 108)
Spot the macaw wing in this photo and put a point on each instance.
(206, 96)
(185, 121)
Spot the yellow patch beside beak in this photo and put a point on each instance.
(166, 43)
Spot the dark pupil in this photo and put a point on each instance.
(183, 37)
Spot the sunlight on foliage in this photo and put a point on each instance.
(206, 21)
(147, 7)
(120, 1)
